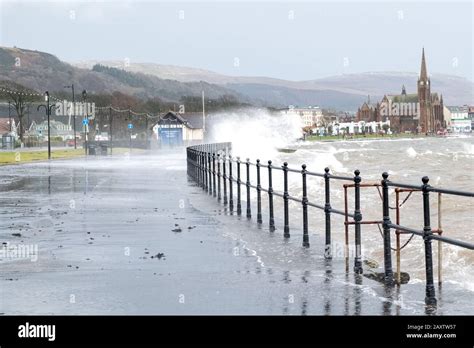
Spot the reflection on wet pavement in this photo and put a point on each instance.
(134, 236)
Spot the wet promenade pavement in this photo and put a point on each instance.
(133, 236)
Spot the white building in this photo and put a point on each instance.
(310, 116)
(349, 128)
(457, 119)
(57, 129)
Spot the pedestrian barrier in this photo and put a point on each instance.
(202, 161)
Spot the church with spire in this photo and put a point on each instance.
(421, 112)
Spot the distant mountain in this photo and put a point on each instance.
(342, 92)
(42, 71)
(284, 96)
(455, 90)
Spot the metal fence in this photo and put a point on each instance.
(211, 167)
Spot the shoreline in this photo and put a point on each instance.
(325, 139)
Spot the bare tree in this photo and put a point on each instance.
(21, 98)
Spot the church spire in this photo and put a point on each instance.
(423, 73)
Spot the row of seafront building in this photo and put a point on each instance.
(314, 120)
(317, 121)
(421, 112)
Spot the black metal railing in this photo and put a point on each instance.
(201, 160)
(425, 233)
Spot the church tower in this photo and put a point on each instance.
(424, 98)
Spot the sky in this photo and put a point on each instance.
(284, 39)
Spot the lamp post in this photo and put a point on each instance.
(10, 123)
(10, 116)
(130, 126)
(146, 131)
(74, 113)
(85, 121)
(110, 130)
(48, 114)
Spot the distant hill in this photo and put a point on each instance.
(284, 96)
(456, 90)
(342, 92)
(43, 71)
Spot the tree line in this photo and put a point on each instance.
(22, 101)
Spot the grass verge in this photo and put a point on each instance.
(17, 157)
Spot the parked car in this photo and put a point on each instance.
(70, 142)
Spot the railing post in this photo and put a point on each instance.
(198, 167)
(397, 235)
(187, 160)
(224, 179)
(357, 220)
(218, 177)
(346, 228)
(387, 252)
(231, 195)
(193, 166)
(440, 243)
(327, 212)
(249, 213)
(214, 193)
(204, 173)
(304, 202)
(430, 298)
(286, 229)
(270, 198)
(210, 172)
(189, 163)
(203, 170)
(239, 203)
(259, 195)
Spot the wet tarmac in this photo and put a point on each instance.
(132, 235)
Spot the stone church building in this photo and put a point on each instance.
(419, 112)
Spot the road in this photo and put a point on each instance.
(131, 235)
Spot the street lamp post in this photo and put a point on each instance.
(74, 113)
(85, 121)
(110, 130)
(48, 114)
(10, 116)
(146, 131)
(130, 125)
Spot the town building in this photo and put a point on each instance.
(8, 133)
(353, 128)
(471, 116)
(57, 130)
(310, 116)
(457, 119)
(417, 112)
(179, 128)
